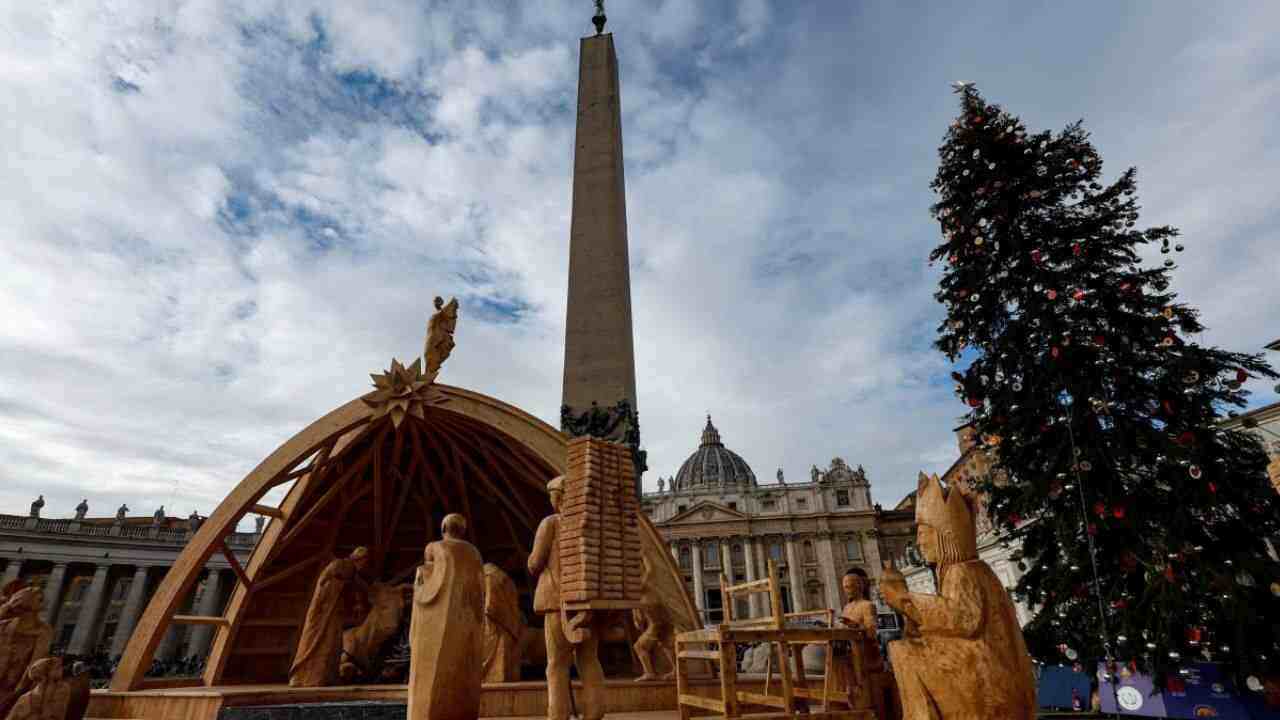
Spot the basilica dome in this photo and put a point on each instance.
(713, 466)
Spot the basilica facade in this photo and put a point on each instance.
(718, 519)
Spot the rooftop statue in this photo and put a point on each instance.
(82, 509)
(962, 654)
(36, 506)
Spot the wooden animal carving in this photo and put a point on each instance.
(362, 644)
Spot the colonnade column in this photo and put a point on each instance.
(53, 595)
(797, 578)
(699, 597)
(748, 554)
(11, 571)
(132, 609)
(82, 639)
(202, 635)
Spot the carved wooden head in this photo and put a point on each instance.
(944, 519)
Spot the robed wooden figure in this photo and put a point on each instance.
(503, 626)
(963, 654)
(317, 660)
(45, 694)
(24, 639)
(446, 632)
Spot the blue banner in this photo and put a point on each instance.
(1202, 692)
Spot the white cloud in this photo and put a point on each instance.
(215, 219)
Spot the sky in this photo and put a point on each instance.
(218, 217)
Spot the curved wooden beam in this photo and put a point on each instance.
(536, 436)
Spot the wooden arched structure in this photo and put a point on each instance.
(357, 480)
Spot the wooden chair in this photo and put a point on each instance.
(785, 643)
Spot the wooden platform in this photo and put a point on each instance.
(505, 700)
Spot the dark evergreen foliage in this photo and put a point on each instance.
(1103, 413)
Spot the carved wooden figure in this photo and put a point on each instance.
(544, 564)
(963, 655)
(316, 661)
(24, 639)
(45, 694)
(869, 681)
(503, 626)
(361, 644)
(656, 625)
(446, 633)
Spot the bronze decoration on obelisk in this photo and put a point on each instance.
(599, 18)
(402, 390)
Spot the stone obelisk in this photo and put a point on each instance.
(599, 357)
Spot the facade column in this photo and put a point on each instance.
(202, 635)
(797, 577)
(132, 609)
(699, 597)
(748, 554)
(870, 542)
(726, 569)
(11, 571)
(53, 595)
(86, 632)
(831, 572)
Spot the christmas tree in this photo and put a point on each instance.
(1141, 520)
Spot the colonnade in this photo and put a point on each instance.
(93, 606)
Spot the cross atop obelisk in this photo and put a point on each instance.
(599, 358)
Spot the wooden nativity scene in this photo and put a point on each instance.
(442, 550)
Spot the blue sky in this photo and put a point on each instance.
(217, 218)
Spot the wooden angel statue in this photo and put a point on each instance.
(440, 335)
(446, 632)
